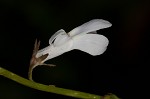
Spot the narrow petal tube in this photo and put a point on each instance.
(54, 51)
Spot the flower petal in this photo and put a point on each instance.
(59, 38)
(90, 26)
(54, 36)
(93, 44)
(55, 51)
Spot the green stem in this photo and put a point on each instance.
(52, 89)
(47, 88)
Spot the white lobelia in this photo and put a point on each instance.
(84, 38)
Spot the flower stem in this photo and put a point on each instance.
(47, 88)
(51, 88)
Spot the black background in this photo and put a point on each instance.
(122, 69)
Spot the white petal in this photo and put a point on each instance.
(54, 51)
(54, 36)
(90, 26)
(93, 44)
(61, 39)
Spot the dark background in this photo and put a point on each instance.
(122, 69)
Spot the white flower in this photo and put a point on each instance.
(84, 38)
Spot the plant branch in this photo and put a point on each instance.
(47, 88)
(51, 88)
